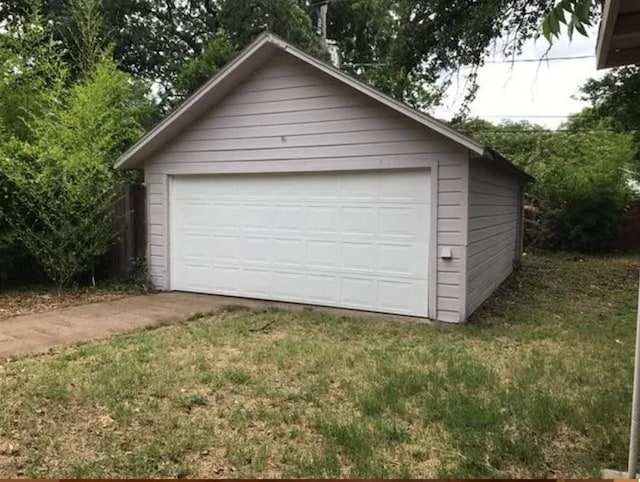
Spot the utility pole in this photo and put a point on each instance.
(322, 21)
(330, 46)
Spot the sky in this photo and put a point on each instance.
(530, 90)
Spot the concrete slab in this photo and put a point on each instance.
(41, 332)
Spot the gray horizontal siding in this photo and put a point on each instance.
(494, 221)
(288, 116)
(452, 174)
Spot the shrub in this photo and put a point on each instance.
(582, 173)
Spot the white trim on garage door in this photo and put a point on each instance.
(358, 239)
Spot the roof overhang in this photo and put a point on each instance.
(619, 35)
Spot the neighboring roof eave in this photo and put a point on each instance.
(605, 34)
(154, 139)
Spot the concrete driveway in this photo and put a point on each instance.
(41, 332)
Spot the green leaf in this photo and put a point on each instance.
(580, 28)
(583, 11)
(561, 15)
(546, 29)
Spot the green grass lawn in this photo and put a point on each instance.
(538, 386)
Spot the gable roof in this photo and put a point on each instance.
(256, 55)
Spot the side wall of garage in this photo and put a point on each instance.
(289, 117)
(494, 230)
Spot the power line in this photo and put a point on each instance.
(538, 131)
(512, 116)
(531, 116)
(505, 61)
(542, 59)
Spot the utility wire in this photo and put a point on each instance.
(532, 116)
(542, 59)
(505, 61)
(538, 131)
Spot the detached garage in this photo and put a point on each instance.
(284, 179)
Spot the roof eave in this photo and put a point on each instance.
(494, 156)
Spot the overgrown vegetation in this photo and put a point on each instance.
(537, 387)
(56, 157)
(583, 172)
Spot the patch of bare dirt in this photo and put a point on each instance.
(8, 454)
(24, 302)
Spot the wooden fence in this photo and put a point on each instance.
(130, 214)
(630, 239)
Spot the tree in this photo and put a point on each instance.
(58, 168)
(218, 51)
(406, 48)
(245, 19)
(616, 97)
(241, 21)
(413, 49)
(32, 74)
(582, 176)
(32, 79)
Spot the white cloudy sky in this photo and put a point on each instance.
(533, 90)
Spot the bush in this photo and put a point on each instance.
(582, 176)
(56, 171)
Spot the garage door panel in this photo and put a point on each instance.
(197, 214)
(256, 250)
(289, 252)
(359, 257)
(359, 293)
(289, 219)
(255, 218)
(323, 254)
(288, 285)
(355, 240)
(359, 220)
(225, 280)
(404, 221)
(401, 260)
(322, 219)
(323, 289)
(198, 275)
(224, 249)
(196, 247)
(226, 216)
(402, 296)
(363, 188)
(411, 190)
(255, 282)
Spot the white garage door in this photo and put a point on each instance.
(346, 239)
